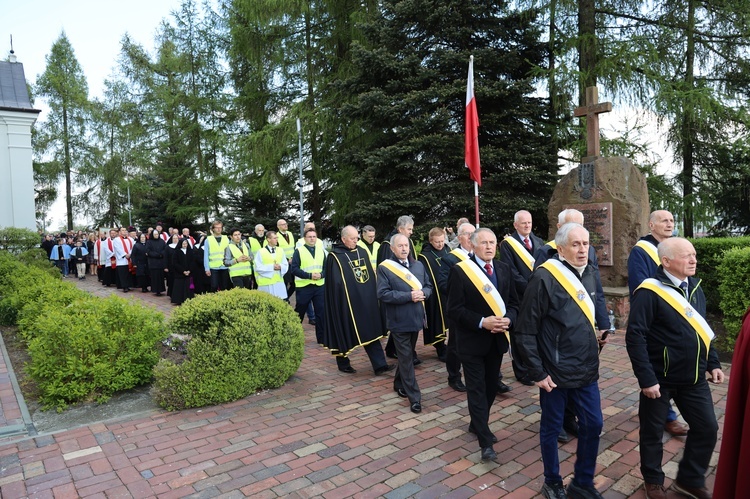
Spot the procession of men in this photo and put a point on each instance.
(485, 297)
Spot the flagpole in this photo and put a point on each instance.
(476, 203)
(471, 144)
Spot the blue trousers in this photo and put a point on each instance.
(588, 409)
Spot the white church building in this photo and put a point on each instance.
(16, 170)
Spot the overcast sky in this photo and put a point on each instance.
(94, 28)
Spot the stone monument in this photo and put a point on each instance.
(612, 194)
(16, 170)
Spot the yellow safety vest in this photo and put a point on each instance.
(268, 258)
(374, 254)
(216, 251)
(239, 268)
(309, 264)
(287, 247)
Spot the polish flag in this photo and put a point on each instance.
(471, 146)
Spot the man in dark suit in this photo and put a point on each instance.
(483, 306)
(519, 250)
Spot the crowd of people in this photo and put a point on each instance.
(543, 302)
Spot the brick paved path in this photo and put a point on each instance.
(334, 435)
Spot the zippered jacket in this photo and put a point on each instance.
(663, 347)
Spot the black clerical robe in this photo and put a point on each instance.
(432, 259)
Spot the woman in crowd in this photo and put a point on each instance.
(90, 242)
(198, 273)
(173, 246)
(140, 261)
(156, 252)
(180, 272)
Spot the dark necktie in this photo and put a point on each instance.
(684, 288)
(405, 263)
(527, 243)
(271, 249)
(488, 268)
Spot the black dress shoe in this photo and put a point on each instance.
(417, 361)
(457, 385)
(502, 387)
(311, 322)
(384, 369)
(401, 392)
(390, 355)
(473, 432)
(416, 407)
(488, 454)
(347, 369)
(563, 437)
(526, 381)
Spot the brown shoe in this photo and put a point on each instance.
(676, 429)
(655, 491)
(694, 492)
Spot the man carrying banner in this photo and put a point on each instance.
(669, 344)
(483, 306)
(557, 343)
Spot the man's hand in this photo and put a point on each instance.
(495, 324)
(276, 266)
(717, 376)
(546, 384)
(208, 273)
(316, 276)
(652, 392)
(417, 295)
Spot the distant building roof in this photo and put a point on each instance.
(13, 92)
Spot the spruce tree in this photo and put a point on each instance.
(402, 127)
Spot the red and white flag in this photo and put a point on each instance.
(471, 146)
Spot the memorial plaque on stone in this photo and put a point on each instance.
(597, 218)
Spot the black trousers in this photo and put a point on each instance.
(241, 281)
(219, 280)
(452, 362)
(696, 406)
(374, 351)
(405, 378)
(480, 373)
(123, 277)
(315, 295)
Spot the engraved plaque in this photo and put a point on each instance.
(597, 218)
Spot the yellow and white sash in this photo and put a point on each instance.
(521, 251)
(460, 255)
(573, 286)
(678, 302)
(403, 273)
(552, 244)
(485, 287)
(650, 250)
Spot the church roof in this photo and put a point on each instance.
(13, 92)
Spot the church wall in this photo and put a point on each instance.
(16, 170)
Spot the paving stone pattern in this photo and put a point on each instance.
(329, 434)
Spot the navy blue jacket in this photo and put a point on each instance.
(663, 347)
(401, 313)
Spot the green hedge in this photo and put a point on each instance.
(27, 291)
(240, 341)
(734, 290)
(17, 240)
(92, 348)
(710, 252)
(81, 347)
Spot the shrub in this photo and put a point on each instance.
(92, 349)
(241, 341)
(37, 257)
(17, 240)
(710, 252)
(734, 290)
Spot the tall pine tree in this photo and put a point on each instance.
(403, 127)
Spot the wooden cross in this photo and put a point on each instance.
(591, 111)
